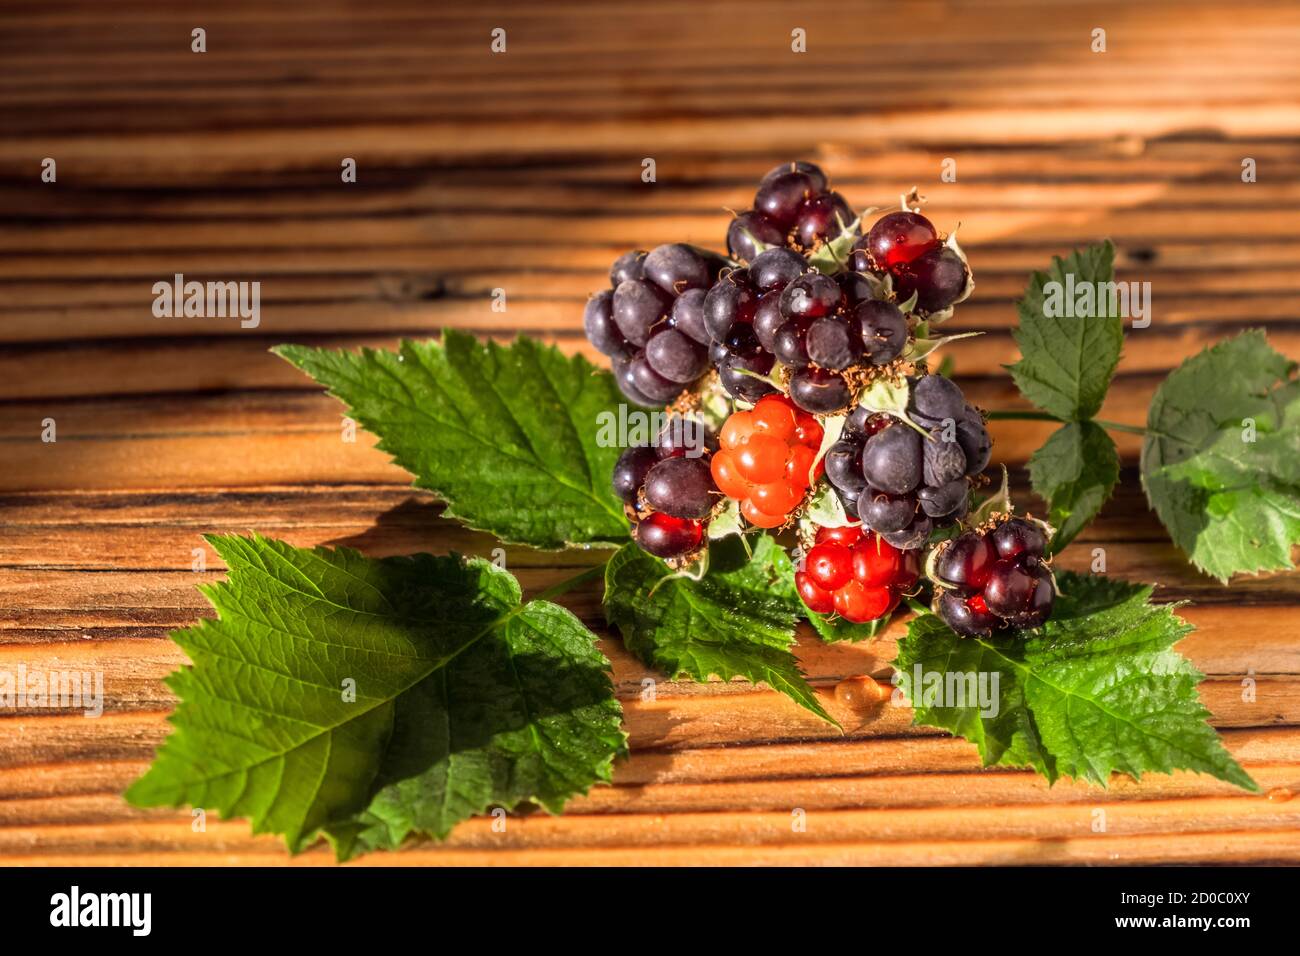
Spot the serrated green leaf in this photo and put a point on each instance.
(1067, 362)
(835, 629)
(507, 436)
(463, 698)
(1221, 459)
(738, 621)
(1074, 472)
(1098, 690)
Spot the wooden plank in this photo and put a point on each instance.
(480, 172)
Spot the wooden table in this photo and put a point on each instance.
(522, 171)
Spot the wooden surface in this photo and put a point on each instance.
(522, 171)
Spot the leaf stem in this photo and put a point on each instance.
(1120, 427)
(1028, 416)
(997, 416)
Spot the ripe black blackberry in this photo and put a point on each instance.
(993, 578)
(650, 322)
(741, 314)
(833, 323)
(668, 488)
(782, 309)
(900, 483)
(794, 207)
(906, 246)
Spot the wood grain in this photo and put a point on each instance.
(522, 172)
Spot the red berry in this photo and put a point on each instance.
(762, 458)
(773, 416)
(726, 477)
(667, 537)
(807, 430)
(830, 565)
(759, 518)
(876, 563)
(847, 535)
(900, 237)
(857, 603)
(799, 465)
(736, 430)
(816, 597)
(775, 498)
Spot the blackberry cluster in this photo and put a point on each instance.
(668, 488)
(742, 305)
(906, 246)
(794, 207)
(855, 574)
(900, 483)
(817, 326)
(650, 321)
(995, 579)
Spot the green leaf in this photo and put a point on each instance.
(1074, 473)
(738, 621)
(1066, 361)
(836, 629)
(508, 437)
(1221, 459)
(463, 698)
(1098, 690)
